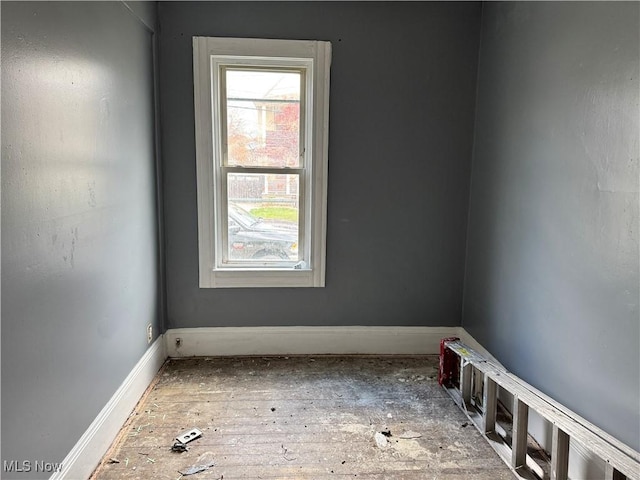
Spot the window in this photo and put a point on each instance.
(262, 114)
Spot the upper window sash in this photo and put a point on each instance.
(221, 64)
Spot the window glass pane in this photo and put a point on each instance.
(263, 118)
(263, 217)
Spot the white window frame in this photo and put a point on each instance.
(312, 57)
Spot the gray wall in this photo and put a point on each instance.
(552, 280)
(401, 117)
(79, 235)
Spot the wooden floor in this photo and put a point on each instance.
(301, 418)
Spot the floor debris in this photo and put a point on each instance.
(179, 447)
(193, 469)
(410, 434)
(381, 440)
(204, 462)
(189, 435)
(284, 454)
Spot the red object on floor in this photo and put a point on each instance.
(448, 373)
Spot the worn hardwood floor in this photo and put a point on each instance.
(301, 418)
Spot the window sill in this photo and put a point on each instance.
(276, 278)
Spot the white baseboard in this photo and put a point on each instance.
(96, 440)
(222, 341)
